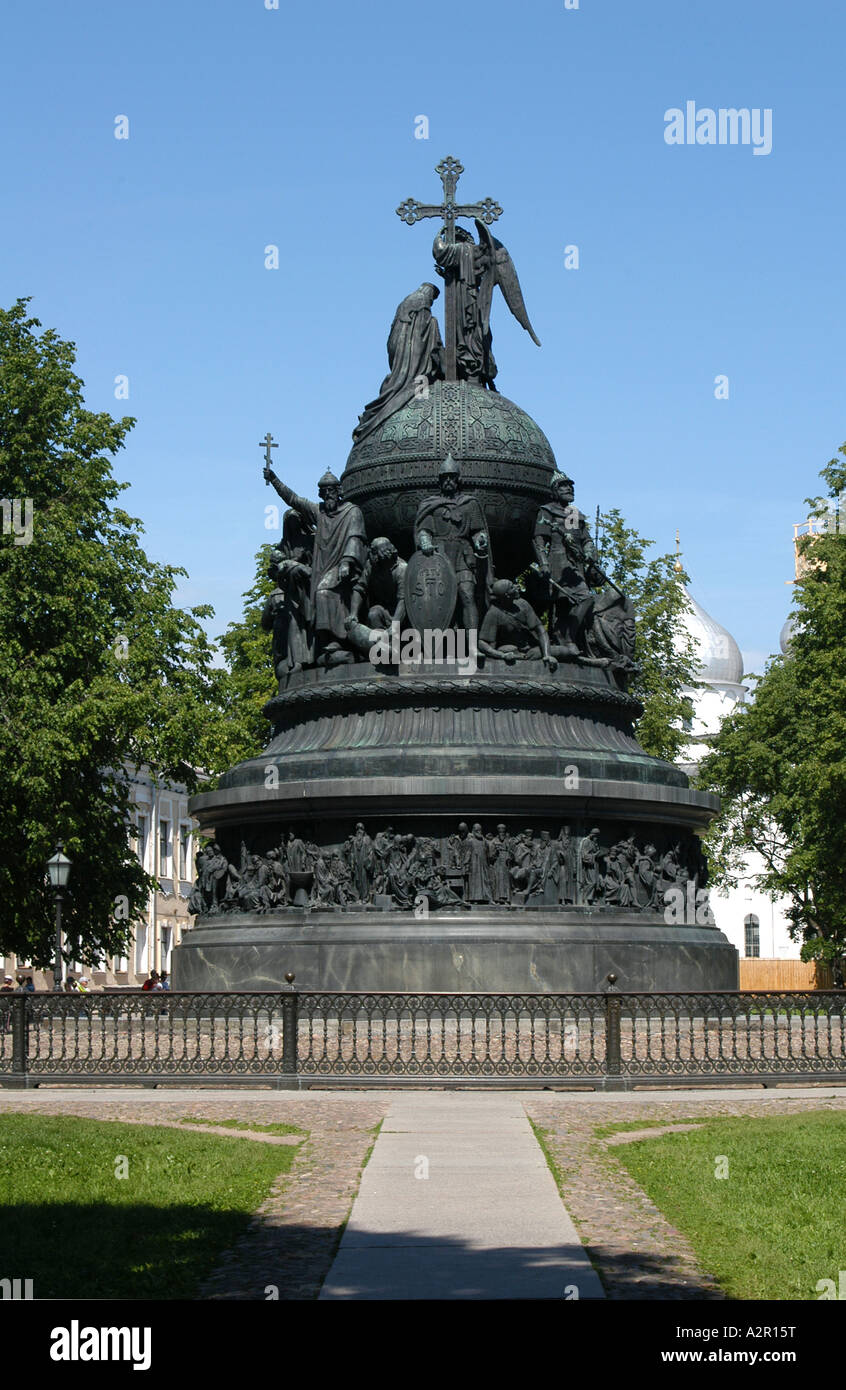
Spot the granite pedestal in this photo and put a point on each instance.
(510, 952)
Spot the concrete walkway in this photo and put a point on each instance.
(457, 1202)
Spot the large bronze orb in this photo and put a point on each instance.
(505, 459)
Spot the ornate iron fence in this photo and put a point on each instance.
(607, 1041)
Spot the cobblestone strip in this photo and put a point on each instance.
(631, 1136)
(228, 1133)
(636, 1250)
(292, 1238)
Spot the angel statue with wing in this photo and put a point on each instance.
(474, 269)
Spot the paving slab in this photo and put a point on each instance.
(457, 1202)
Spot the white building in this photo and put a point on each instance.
(751, 920)
(165, 847)
(166, 850)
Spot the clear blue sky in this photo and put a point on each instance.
(295, 126)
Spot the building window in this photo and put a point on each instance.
(164, 847)
(141, 840)
(166, 944)
(141, 949)
(184, 851)
(752, 934)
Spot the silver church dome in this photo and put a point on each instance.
(719, 655)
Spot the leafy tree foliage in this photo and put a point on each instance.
(248, 682)
(664, 651)
(779, 763)
(98, 668)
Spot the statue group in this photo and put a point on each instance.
(470, 868)
(336, 593)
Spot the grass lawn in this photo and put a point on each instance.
(79, 1231)
(775, 1225)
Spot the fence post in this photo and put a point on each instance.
(19, 1040)
(613, 1054)
(290, 1014)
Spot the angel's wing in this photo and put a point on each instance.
(505, 275)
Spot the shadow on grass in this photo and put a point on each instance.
(101, 1250)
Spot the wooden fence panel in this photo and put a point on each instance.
(783, 974)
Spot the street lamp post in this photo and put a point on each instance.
(58, 871)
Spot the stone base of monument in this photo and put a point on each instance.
(496, 952)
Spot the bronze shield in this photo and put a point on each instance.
(431, 590)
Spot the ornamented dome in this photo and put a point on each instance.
(505, 459)
(720, 660)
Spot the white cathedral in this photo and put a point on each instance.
(753, 922)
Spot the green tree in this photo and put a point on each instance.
(98, 668)
(664, 649)
(779, 762)
(248, 682)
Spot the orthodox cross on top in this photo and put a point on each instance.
(487, 211)
(267, 444)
